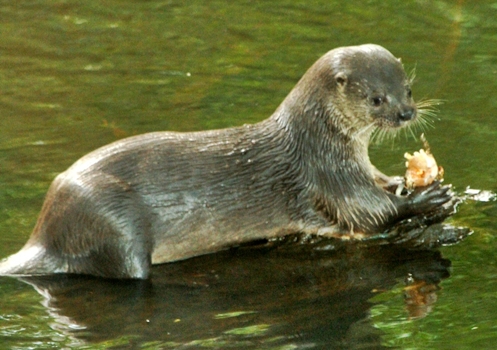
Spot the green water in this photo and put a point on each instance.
(77, 75)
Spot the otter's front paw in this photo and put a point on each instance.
(429, 198)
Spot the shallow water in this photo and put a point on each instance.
(77, 75)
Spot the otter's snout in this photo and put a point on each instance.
(406, 114)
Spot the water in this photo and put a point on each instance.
(77, 75)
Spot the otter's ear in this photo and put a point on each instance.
(341, 79)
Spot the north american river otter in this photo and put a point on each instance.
(166, 196)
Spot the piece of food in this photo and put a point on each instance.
(422, 169)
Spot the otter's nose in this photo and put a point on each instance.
(407, 114)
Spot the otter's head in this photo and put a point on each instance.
(370, 88)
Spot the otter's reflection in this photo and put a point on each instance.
(308, 295)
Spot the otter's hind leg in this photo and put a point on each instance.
(96, 225)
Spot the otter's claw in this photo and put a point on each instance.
(426, 199)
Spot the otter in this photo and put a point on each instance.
(167, 196)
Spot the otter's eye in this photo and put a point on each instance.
(377, 101)
(409, 93)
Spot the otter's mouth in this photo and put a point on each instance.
(398, 120)
(389, 126)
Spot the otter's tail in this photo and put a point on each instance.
(30, 260)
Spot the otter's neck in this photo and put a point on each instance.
(320, 134)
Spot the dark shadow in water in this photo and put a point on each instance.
(313, 295)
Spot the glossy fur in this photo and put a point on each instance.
(167, 196)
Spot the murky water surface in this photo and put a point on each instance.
(77, 75)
